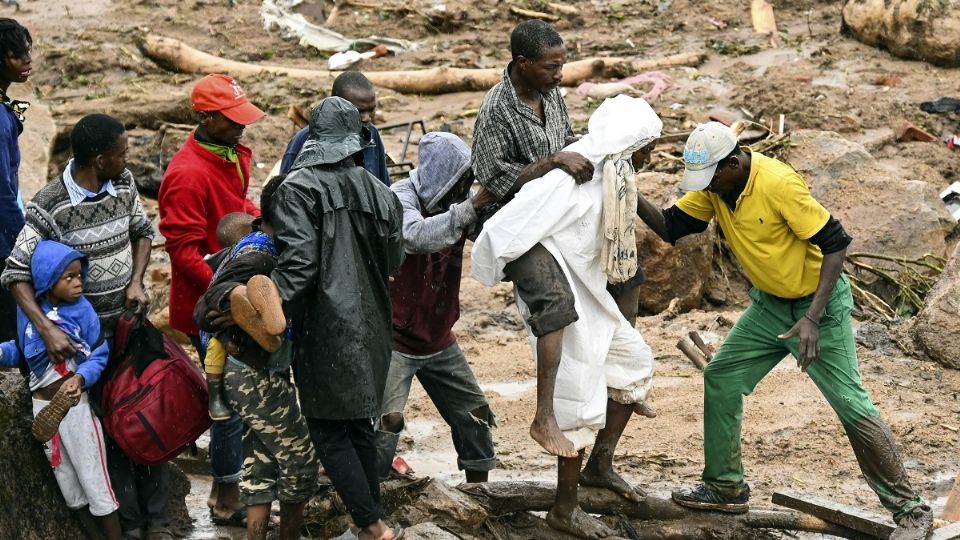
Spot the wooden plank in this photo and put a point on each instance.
(949, 532)
(951, 510)
(841, 514)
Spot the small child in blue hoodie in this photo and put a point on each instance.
(63, 420)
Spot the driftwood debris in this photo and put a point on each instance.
(950, 532)
(501, 498)
(181, 57)
(841, 514)
(696, 357)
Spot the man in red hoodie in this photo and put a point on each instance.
(206, 180)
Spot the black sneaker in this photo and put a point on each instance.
(916, 524)
(702, 498)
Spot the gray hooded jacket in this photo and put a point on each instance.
(443, 177)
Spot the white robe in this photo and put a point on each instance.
(601, 350)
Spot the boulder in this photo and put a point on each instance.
(34, 506)
(680, 271)
(31, 499)
(890, 207)
(927, 30)
(937, 325)
(427, 531)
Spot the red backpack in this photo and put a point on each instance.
(153, 411)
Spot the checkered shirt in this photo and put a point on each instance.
(509, 135)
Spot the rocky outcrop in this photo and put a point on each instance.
(937, 325)
(33, 505)
(927, 30)
(680, 271)
(30, 497)
(890, 207)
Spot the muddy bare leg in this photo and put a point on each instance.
(566, 514)
(599, 470)
(291, 519)
(544, 429)
(258, 521)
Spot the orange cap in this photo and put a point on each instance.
(221, 93)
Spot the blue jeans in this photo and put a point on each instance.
(226, 440)
(448, 380)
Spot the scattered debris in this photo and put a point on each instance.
(888, 79)
(951, 197)
(911, 280)
(952, 141)
(942, 105)
(275, 14)
(697, 358)
(719, 24)
(600, 91)
(908, 132)
(346, 59)
(761, 12)
(530, 14)
(733, 47)
(841, 514)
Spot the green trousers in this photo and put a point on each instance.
(752, 349)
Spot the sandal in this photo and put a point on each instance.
(47, 421)
(237, 519)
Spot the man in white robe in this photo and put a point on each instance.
(606, 368)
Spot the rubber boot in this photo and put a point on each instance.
(217, 407)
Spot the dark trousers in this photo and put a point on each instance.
(348, 450)
(141, 490)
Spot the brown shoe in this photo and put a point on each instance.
(248, 319)
(265, 298)
(47, 421)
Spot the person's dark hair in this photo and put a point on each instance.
(266, 197)
(351, 81)
(14, 38)
(93, 135)
(530, 38)
(232, 227)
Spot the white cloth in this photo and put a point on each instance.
(82, 469)
(601, 349)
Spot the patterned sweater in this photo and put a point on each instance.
(101, 227)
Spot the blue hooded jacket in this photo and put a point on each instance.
(77, 319)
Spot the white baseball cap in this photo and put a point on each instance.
(706, 146)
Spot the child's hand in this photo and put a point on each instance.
(74, 386)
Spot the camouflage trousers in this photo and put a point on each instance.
(279, 460)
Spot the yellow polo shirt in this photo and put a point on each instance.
(770, 229)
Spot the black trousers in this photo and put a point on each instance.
(347, 448)
(141, 490)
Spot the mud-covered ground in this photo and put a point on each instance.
(86, 59)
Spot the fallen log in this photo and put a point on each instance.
(176, 55)
(501, 498)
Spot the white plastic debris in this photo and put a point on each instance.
(951, 197)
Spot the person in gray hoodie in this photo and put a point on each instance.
(438, 215)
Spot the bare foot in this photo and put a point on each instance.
(609, 479)
(548, 435)
(645, 409)
(578, 523)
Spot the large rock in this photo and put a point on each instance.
(33, 506)
(936, 326)
(680, 271)
(926, 30)
(890, 207)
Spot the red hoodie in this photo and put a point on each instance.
(198, 189)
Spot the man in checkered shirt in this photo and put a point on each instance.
(519, 136)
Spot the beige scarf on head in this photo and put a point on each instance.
(619, 246)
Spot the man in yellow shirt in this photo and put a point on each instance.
(793, 251)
